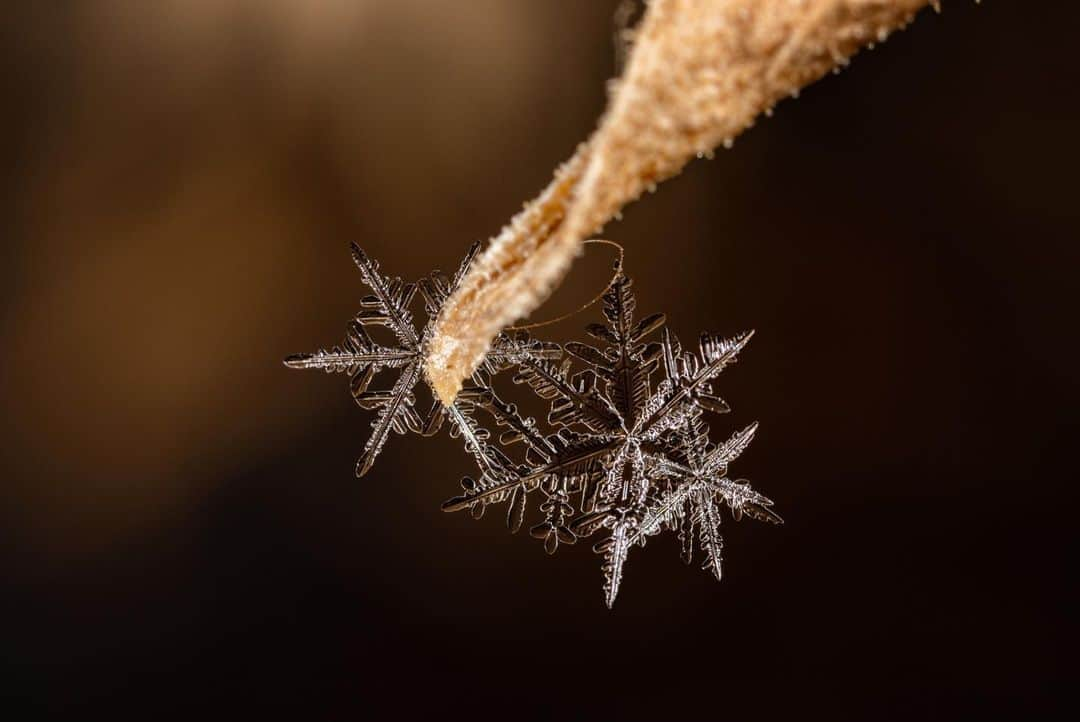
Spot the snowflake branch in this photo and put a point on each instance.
(390, 304)
(393, 415)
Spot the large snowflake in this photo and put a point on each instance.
(627, 453)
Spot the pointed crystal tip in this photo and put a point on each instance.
(365, 463)
(297, 360)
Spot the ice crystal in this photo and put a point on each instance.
(625, 452)
(362, 358)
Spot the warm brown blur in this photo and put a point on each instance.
(195, 172)
(178, 508)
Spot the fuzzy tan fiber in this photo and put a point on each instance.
(699, 73)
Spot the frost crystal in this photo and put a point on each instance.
(362, 358)
(625, 456)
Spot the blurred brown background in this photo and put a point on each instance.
(181, 532)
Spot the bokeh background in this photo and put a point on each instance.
(181, 531)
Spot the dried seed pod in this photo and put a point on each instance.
(699, 73)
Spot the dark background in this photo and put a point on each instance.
(181, 531)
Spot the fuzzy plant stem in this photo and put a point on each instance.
(700, 72)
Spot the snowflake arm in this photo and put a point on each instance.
(742, 499)
(575, 401)
(395, 414)
(615, 550)
(509, 350)
(519, 428)
(715, 355)
(357, 353)
(436, 288)
(718, 459)
(389, 304)
(581, 456)
(627, 363)
(707, 520)
(666, 512)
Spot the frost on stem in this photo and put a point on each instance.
(699, 73)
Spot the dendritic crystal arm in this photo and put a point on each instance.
(615, 551)
(571, 461)
(716, 461)
(436, 288)
(575, 401)
(493, 464)
(519, 428)
(509, 350)
(389, 304)
(626, 363)
(716, 354)
(707, 520)
(395, 414)
(357, 352)
(665, 512)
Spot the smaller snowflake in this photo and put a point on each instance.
(362, 358)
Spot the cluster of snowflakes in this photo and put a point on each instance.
(628, 453)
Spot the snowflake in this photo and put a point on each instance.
(622, 455)
(362, 358)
